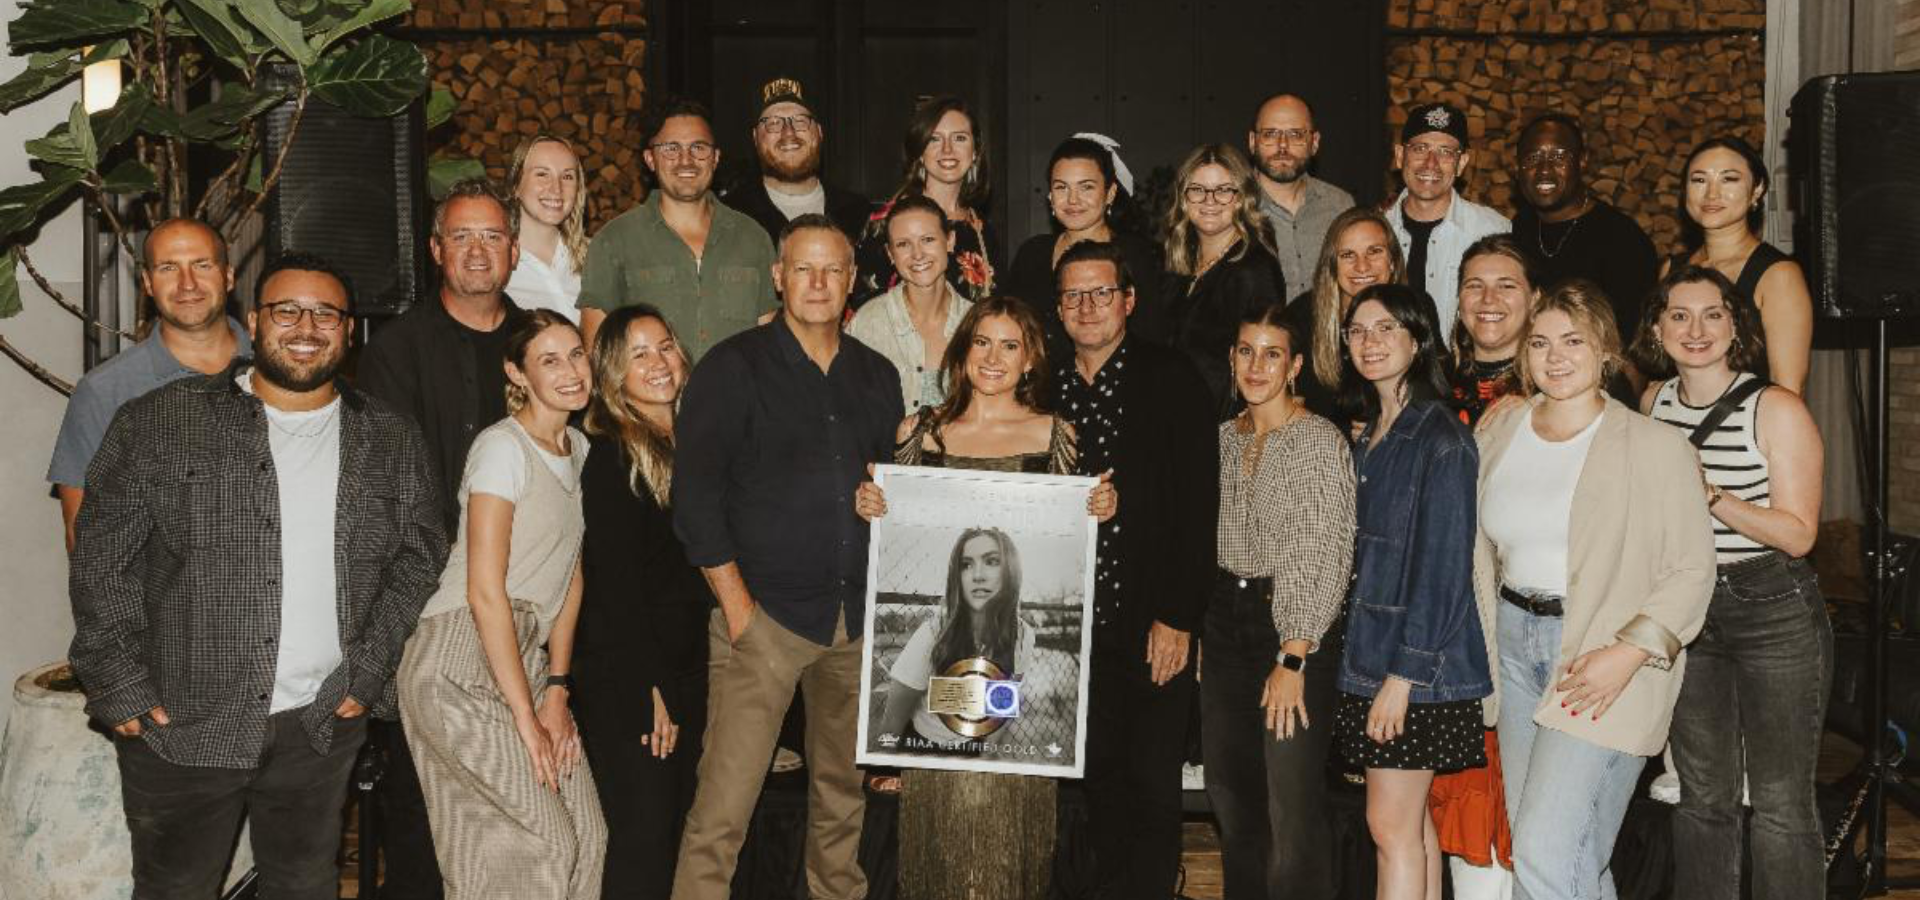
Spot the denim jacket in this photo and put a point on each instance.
(1411, 608)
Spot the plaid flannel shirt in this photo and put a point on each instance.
(175, 576)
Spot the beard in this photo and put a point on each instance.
(271, 363)
(781, 169)
(1276, 168)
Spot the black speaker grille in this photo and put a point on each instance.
(353, 191)
(1857, 142)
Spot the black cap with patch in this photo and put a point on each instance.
(1431, 117)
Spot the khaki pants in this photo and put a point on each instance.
(751, 684)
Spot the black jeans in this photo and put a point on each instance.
(184, 819)
(644, 799)
(406, 841)
(1136, 744)
(1752, 705)
(1269, 795)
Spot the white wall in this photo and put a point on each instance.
(35, 621)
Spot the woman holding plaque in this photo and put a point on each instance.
(970, 834)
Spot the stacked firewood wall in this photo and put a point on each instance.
(1647, 79)
(558, 66)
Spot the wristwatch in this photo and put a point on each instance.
(560, 681)
(1293, 662)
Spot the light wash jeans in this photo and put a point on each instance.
(1565, 796)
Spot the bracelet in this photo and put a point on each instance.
(1713, 496)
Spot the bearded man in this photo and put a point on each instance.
(787, 136)
(1283, 143)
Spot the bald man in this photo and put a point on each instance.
(1283, 143)
(184, 268)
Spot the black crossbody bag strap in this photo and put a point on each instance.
(1728, 402)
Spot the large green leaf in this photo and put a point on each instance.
(220, 26)
(443, 172)
(133, 113)
(69, 144)
(72, 22)
(373, 11)
(441, 105)
(376, 76)
(130, 177)
(9, 283)
(219, 118)
(283, 32)
(46, 71)
(21, 206)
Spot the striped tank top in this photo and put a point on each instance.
(1731, 457)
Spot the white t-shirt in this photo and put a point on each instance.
(536, 285)
(496, 465)
(1527, 508)
(306, 464)
(794, 206)
(914, 668)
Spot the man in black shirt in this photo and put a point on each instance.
(776, 429)
(441, 364)
(787, 137)
(1570, 233)
(1141, 410)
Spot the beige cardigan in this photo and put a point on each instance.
(1640, 569)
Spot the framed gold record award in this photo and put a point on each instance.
(978, 622)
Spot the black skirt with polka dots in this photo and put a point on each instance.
(1441, 737)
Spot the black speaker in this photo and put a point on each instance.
(1853, 146)
(353, 191)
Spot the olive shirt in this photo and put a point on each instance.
(637, 258)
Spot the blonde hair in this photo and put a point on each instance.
(1180, 241)
(648, 447)
(1327, 345)
(1592, 315)
(573, 231)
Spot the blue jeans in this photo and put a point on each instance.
(1565, 796)
(1753, 703)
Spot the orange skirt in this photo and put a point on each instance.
(1469, 809)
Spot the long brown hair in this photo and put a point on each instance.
(649, 448)
(1032, 389)
(573, 231)
(977, 189)
(1182, 244)
(1329, 342)
(955, 641)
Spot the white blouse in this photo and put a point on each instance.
(536, 285)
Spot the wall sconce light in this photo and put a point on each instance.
(100, 84)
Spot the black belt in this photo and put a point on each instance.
(1540, 606)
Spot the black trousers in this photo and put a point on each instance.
(643, 798)
(184, 819)
(406, 840)
(1269, 795)
(1136, 744)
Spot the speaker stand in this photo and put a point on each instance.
(1882, 774)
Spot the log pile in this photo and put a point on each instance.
(1644, 98)
(588, 89)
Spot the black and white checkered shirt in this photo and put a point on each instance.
(175, 576)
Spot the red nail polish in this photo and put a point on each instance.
(1574, 713)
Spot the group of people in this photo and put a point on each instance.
(1491, 510)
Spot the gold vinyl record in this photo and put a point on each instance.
(959, 697)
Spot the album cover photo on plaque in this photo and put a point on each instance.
(979, 610)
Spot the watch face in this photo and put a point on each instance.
(1295, 663)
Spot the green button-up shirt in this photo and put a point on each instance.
(637, 258)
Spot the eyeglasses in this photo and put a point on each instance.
(776, 124)
(1424, 150)
(486, 237)
(1200, 193)
(1382, 331)
(1101, 297)
(1283, 136)
(287, 313)
(699, 150)
(1556, 156)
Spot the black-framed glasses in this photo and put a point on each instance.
(699, 150)
(1101, 297)
(1225, 194)
(287, 313)
(776, 124)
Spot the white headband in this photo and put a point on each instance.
(1120, 171)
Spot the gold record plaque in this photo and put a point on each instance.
(959, 696)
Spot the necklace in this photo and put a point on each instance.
(1539, 236)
